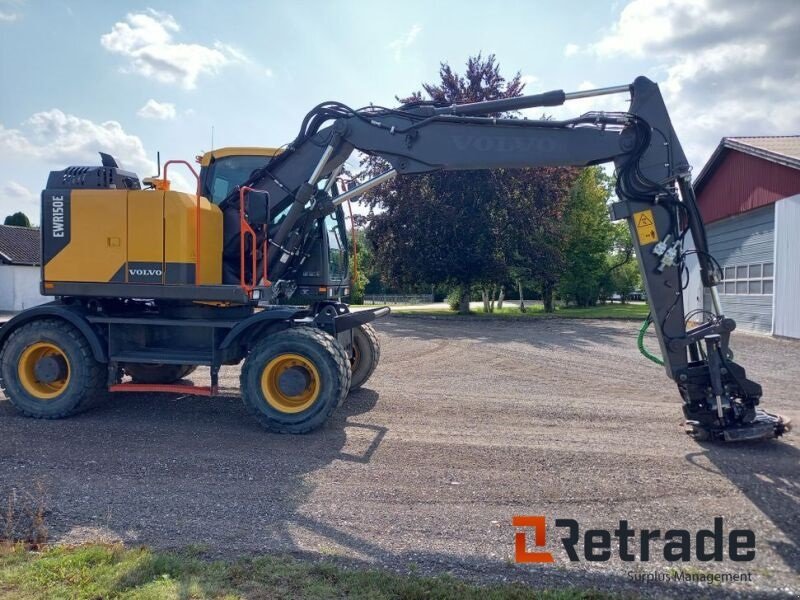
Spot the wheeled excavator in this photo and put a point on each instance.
(151, 283)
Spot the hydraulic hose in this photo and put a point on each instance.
(640, 342)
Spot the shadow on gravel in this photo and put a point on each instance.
(175, 471)
(196, 472)
(768, 473)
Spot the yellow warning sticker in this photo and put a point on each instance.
(645, 227)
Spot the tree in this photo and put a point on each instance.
(533, 204)
(588, 238)
(19, 219)
(622, 272)
(457, 227)
(361, 267)
(625, 279)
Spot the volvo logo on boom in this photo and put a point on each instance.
(497, 143)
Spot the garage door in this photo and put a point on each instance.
(744, 246)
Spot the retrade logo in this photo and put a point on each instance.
(630, 544)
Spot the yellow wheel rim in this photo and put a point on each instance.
(27, 374)
(279, 399)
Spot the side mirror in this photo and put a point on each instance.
(257, 206)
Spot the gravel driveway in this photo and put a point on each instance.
(463, 425)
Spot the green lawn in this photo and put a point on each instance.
(636, 312)
(113, 571)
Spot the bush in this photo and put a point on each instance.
(453, 299)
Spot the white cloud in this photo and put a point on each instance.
(57, 140)
(53, 140)
(529, 80)
(17, 191)
(16, 197)
(571, 50)
(146, 39)
(6, 17)
(157, 110)
(399, 45)
(726, 67)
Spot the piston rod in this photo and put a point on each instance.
(364, 187)
(617, 89)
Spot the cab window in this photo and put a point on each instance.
(337, 248)
(226, 173)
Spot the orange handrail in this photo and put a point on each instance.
(196, 213)
(245, 229)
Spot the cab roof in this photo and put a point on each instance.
(206, 158)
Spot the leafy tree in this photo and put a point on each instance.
(363, 265)
(622, 271)
(533, 206)
(588, 238)
(19, 219)
(439, 227)
(625, 279)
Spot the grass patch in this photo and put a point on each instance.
(636, 312)
(113, 571)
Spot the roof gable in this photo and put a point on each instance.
(780, 149)
(20, 245)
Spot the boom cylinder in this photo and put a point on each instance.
(552, 98)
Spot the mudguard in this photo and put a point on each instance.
(74, 315)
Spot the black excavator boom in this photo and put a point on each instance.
(654, 193)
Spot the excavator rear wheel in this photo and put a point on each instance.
(293, 380)
(365, 356)
(48, 371)
(147, 373)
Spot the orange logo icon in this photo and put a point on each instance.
(521, 553)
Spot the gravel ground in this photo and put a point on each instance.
(463, 425)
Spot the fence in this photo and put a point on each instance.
(398, 298)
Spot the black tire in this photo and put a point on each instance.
(328, 387)
(366, 354)
(147, 373)
(84, 387)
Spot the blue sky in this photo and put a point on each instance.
(130, 78)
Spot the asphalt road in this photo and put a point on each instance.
(463, 425)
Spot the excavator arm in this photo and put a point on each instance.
(654, 193)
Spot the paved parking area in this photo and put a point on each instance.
(463, 425)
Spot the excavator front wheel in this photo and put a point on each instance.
(293, 380)
(47, 370)
(366, 354)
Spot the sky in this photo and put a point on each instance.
(134, 78)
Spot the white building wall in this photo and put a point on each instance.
(19, 287)
(786, 298)
(6, 287)
(738, 243)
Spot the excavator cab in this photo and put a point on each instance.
(324, 272)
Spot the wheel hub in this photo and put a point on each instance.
(43, 370)
(290, 383)
(293, 381)
(50, 368)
